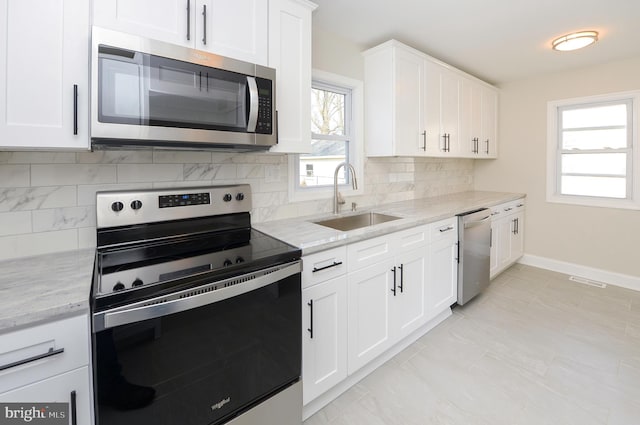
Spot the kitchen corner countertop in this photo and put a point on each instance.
(310, 237)
(44, 287)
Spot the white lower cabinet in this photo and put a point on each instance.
(70, 387)
(507, 235)
(48, 363)
(324, 341)
(442, 283)
(368, 313)
(386, 299)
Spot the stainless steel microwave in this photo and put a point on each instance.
(149, 93)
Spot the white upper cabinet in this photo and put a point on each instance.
(171, 21)
(290, 55)
(44, 74)
(419, 106)
(489, 123)
(239, 29)
(233, 28)
(478, 120)
(394, 95)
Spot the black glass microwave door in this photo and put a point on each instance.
(193, 96)
(201, 366)
(121, 91)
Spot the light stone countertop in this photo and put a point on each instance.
(44, 287)
(311, 237)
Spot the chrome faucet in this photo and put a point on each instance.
(337, 197)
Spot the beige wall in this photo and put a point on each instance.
(334, 54)
(602, 238)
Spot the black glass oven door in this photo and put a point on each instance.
(202, 365)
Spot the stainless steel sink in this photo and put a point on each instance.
(352, 222)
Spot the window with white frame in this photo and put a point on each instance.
(336, 104)
(592, 151)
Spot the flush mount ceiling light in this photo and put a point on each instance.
(574, 41)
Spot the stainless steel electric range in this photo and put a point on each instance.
(196, 316)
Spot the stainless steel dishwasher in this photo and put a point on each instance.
(474, 246)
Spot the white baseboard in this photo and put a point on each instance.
(599, 275)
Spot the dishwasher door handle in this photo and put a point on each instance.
(470, 224)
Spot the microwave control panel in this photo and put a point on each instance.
(265, 106)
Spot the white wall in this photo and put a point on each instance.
(601, 238)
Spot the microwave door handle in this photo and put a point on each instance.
(252, 120)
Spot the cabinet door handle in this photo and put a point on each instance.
(394, 281)
(74, 409)
(335, 263)
(49, 353)
(188, 20)
(448, 142)
(75, 109)
(204, 21)
(457, 252)
(446, 229)
(401, 266)
(487, 142)
(514, 231)
(310, 328)
(424, 139)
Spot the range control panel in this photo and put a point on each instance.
(124, 208)
(181, 200)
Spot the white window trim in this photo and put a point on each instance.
(356, 146)
(552, 153)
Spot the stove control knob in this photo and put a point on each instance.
(137, 282)
(136, 205)
(239, 260)
(227, 197)
(240, 196)
(118, 286)
(117, 206)
(227, 263)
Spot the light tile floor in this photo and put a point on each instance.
(534, 349)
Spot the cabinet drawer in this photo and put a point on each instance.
(507, 208)
(412, 238)
(444, 229)
(57, 389)
(323, 266)
(370, 251)
(32, 354)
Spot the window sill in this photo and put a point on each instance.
(594, 202)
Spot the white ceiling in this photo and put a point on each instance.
(496, 40)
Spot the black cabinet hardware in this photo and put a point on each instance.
(394, 281)
(310, 328)
(75, 109)
(74, 409)
(49, 353)
(335, 263)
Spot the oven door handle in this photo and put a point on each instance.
(192, 298)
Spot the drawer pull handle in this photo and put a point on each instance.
(335, 263)
(519, 205)
(49, 353)
(446, 229)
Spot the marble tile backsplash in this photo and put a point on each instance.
(47, 199)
